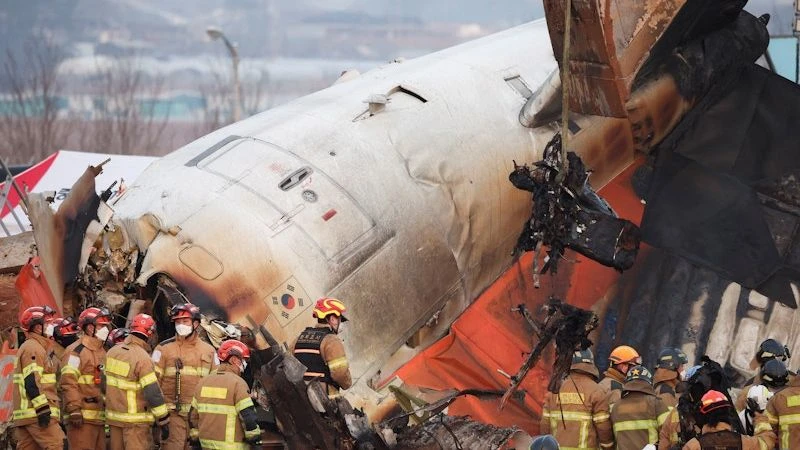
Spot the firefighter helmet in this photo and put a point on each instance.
(144, 325)
(94, 316)
(624, 354)
(682, 356)
(327, 306)
(669, 359)
(713, 401)
(582, 356)
(35, 315)
(771, 349)
(544, 442)
(65, 327)
(774, 373)
(232, 347)
(184, 310)
(116, 336)
(638, 372)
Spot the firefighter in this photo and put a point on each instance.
(578, 415)
(63, 332)
(783, 412)
(715, 417)
(180, 363)
(667, 375)
(620, 360)
(222, 414)
(320, 349)
(768, 350)
(639, 413)
(81, 379)
(117, 336)
(35, 399)
(133, 398)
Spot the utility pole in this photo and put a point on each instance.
(215, 33)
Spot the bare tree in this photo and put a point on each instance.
(126, 118)
(30, 128)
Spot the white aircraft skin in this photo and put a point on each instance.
(425, 217)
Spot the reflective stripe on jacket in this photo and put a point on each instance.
(32, 361)
(132, 392)
(81, 371)
(222, 414)
(638, 416)
(578, 415)
(783, 413)
(196, 361)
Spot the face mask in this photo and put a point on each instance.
(48, 331)
(243, 366)
(183, 330)
(102, 333)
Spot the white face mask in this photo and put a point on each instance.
(243, 366)
(102, 333)
(183, 330)
(48, 330)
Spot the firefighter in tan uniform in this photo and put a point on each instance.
(783, 412)
(36, 404)
(578, 415)
(768, 350)
(668, 374)
(639, 413)
(133, 398)
(320, 349)
(180, 364)
(620, 360)
(81, 378)
(222, 414)
(715, 416)
(66, 335)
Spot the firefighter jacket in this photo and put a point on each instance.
(612, 382)
(81, 377)
(664, 383)
(133, 396)
(180, 364)
(783, 413)
(669, 434)
(638, 416)
(34, 381)
(721, 436)
(56, 355)
(222, 414)
(322, 352)
(578, 415)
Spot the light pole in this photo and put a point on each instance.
(215, 33)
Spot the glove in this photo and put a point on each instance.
(164, 432)
(75, 419)
(43, 416)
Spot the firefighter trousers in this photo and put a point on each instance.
(178, 433)
(134, 437)
(88, 436)
(34, 437)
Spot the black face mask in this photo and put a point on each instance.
(66, 341)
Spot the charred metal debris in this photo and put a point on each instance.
(569, 326)
(570, 214)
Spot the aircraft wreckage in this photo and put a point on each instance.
(390, 190)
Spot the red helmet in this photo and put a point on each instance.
(327, 306)
(94, 316)
(116, 336)
(712, 401)
(35, 315)
(232, 347)
(64, 327)
(144, 325)
(185, 310)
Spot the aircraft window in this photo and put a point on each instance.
(519, 85)
(295, 178)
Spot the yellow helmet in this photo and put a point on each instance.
(327, 306)
(625, 354)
